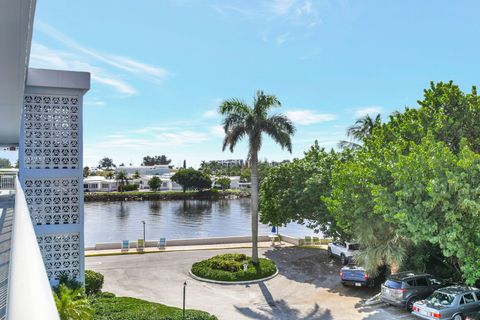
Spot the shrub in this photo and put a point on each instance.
(124, 308)
(93, 282)
(128, 187)
(105, 295)
(229, 267)
(68, 281)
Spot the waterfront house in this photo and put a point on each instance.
(99, 184)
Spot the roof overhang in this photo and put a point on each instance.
(16, 25)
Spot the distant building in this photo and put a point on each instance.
(156, 170)
(99, 184)
(167, 183)
(229, 162)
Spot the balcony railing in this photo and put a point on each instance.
(25, 292)
(7, 179)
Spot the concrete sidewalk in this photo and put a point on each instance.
(244, 245)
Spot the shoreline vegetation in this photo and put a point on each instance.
(165, 195)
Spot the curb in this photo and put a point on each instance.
(232, 282)
(87, 255)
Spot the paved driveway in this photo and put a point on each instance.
(307, 286)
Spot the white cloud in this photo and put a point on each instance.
(81, 58)
(274, 15)
(217, 131)
(372, 110)
(212, 113)
(282, 38)
(120, 62)
(94, 102)
(44, 57)
(282, 7)
(306, 117)
(119, 85)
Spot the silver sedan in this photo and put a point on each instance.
(454, 303)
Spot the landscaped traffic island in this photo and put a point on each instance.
(233, 267)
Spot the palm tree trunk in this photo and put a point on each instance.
(254, 198)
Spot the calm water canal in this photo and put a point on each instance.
(114, 221)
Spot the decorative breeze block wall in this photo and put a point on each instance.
(51, 131)
(61, 254)
(53, 201)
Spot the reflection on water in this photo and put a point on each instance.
(179, 219)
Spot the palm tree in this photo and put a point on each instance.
(241, 120)
(382, 245)
(72, 304)
(122, 179)
(360, 131)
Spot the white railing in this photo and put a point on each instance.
(7, 180)
(29, 292)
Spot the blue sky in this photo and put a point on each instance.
(161, 68)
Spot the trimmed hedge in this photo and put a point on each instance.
(229, 267)
(93, 282)
(124, 308)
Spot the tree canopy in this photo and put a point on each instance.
(106, 163)
(223, 182)
(293, 191)
(191, 179)
(156, 160)
(154, 183)
(5, 163)
(411, 184)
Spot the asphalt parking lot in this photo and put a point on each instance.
(307, 287)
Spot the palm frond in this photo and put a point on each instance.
(280, 129)
(263, 103)
(234, 106)
(233, 136)
(343, 144)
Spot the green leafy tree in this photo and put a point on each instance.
(106, 163)
(86, 172)
(191, 179)
(436, 200)
(224, 183)
(154, 183)
(72, 304)
(5, 163)
(156, 160)
(293, 191)
(241, 120)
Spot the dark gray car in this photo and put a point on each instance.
(405, 288)
(451, 303)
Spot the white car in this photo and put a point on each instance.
(344, 250)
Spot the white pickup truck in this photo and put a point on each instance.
(344, 250)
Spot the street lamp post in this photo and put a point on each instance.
(143, 221)
(184, 291)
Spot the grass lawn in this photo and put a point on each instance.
(229, 267)
(124, 308)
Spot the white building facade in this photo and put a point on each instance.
(145, 170)
(229, 162)
(99, 184)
